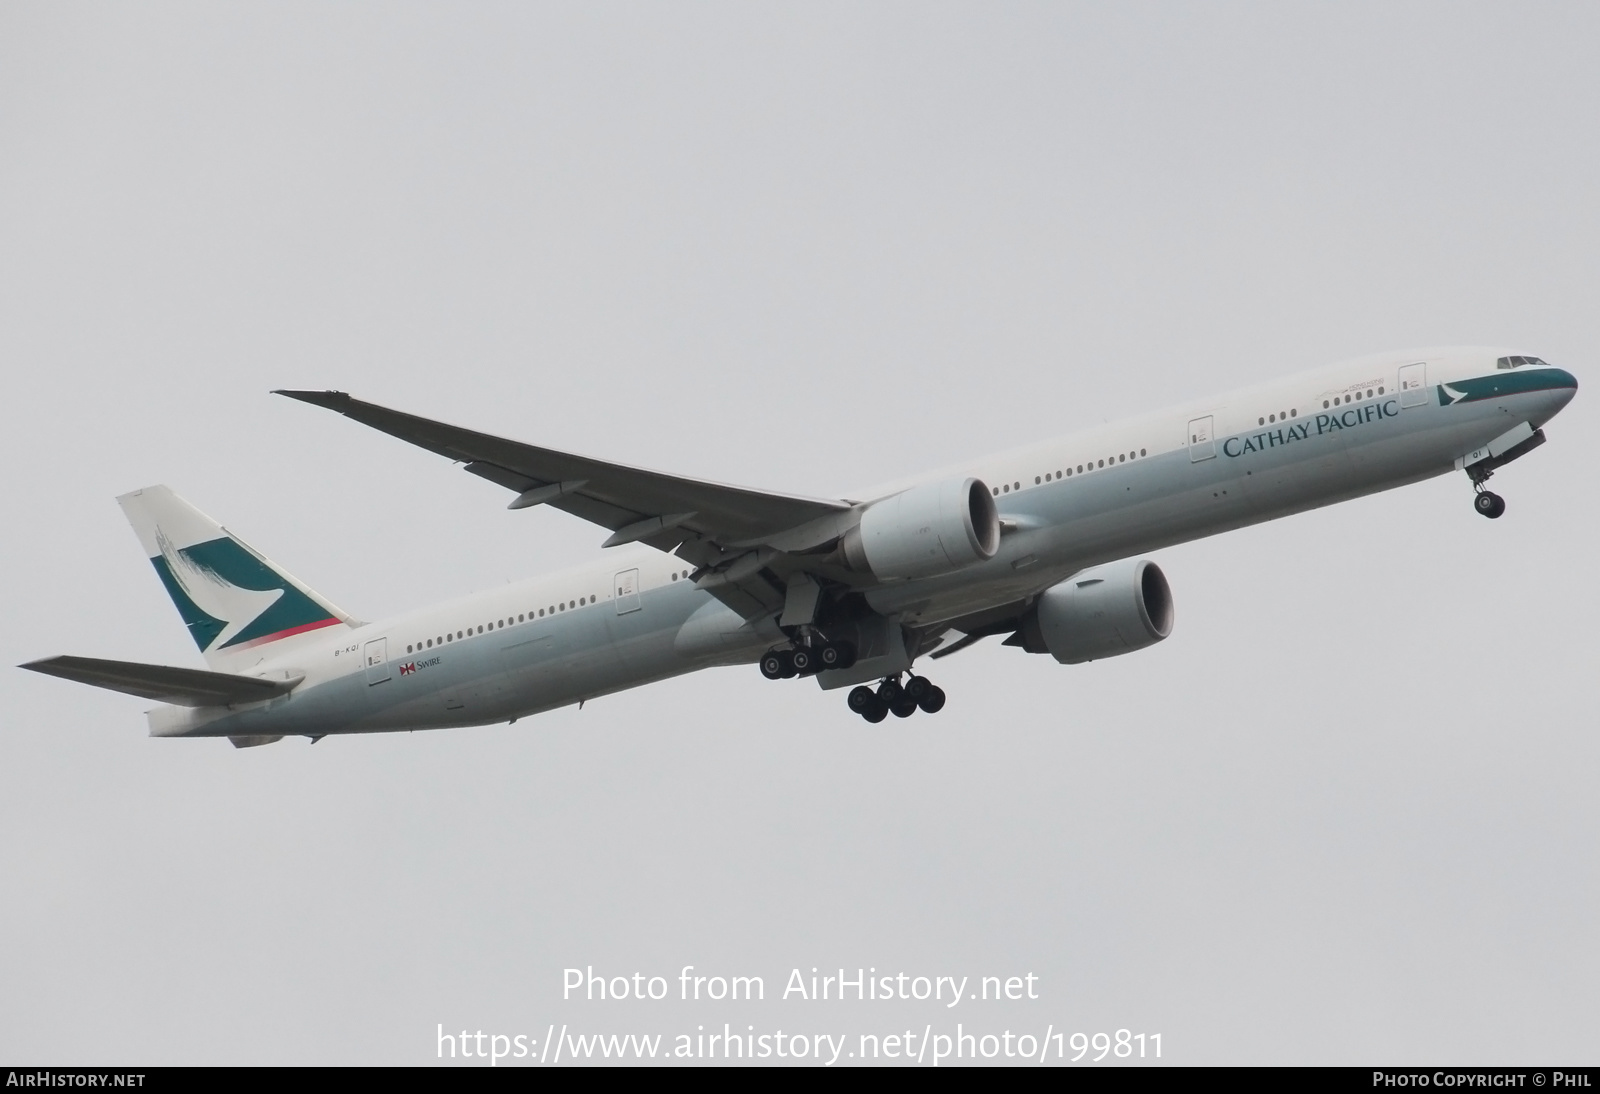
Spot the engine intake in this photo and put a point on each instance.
(925, 531)
(1101, 612)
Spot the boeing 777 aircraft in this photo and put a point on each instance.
(1040, 543)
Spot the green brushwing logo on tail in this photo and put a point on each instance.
(229, 598)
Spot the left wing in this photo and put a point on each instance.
(734, 535)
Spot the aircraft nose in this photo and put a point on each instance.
(1564, 384)
(1559, 386)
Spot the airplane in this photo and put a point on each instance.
(1042, 544)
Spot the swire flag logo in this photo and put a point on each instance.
(408, 668)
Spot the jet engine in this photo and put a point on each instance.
(925, 531)
(1100, 612)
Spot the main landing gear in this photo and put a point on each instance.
(795, 661)
(890, 697)
(901, 700)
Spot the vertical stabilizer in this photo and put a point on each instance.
(240, 608)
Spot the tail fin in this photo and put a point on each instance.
(233, 600)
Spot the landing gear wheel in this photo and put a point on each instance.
(917, 687)
(861, 700)
(827, 656)
(1490, 504)
(846, 651)
(877, 714)
(933, 701)
(905, 708)
(804, 661)
(890, 692)
(772, 664)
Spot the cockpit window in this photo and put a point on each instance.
(1518, 362)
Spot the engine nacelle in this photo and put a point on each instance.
(925, 531)
(1101, 612)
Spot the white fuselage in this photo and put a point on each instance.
(633, 617)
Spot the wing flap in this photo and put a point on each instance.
(164, 683)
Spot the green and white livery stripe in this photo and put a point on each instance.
(1500, 384)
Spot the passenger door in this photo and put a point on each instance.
(1414, 384)
(377, 658)
(627, 586)
(1202, 441)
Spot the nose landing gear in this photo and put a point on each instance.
(901, 700)
(1489, 503)
(1486, 502)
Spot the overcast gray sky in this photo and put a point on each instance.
(1346, 814)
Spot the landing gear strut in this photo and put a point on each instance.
(901, 700)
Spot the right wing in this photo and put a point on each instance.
(163, 683)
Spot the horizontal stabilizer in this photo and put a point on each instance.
(163, 683)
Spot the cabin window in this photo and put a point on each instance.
(1141, 452)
